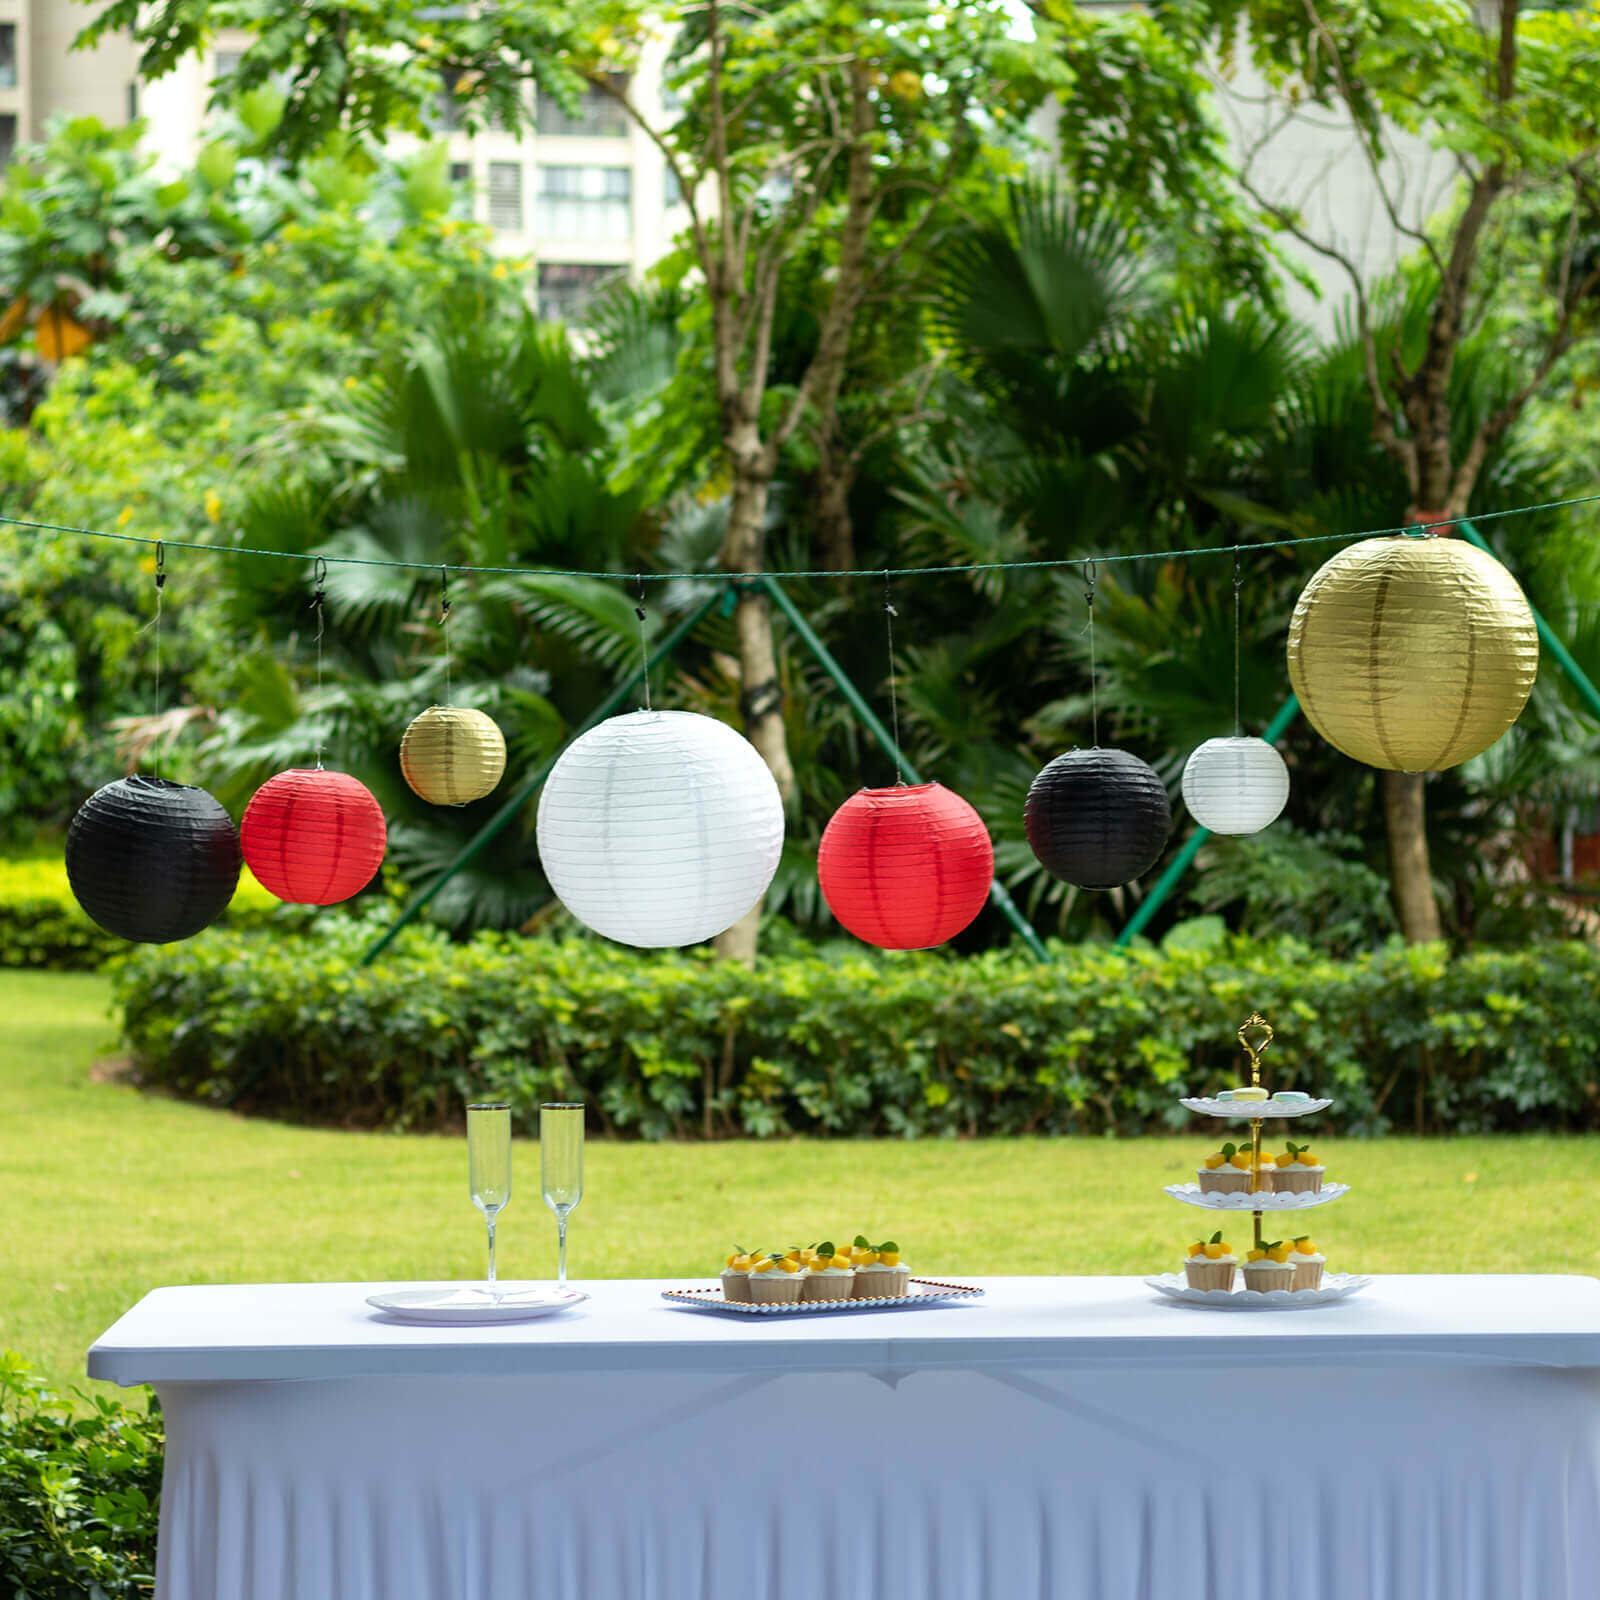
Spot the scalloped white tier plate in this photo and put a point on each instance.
(1190, 1194)
(1267, 1110)
(1335, 1286)
(921, 1292)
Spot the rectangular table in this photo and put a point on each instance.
(1437, 1438)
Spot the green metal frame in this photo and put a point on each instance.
(531, 784)
(1184, 859)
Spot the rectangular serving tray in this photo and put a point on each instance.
(923, 1292)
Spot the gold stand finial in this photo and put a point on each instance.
(1258, 1024)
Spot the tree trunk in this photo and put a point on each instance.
(1410, 872)
(836, 535)
(761, 694)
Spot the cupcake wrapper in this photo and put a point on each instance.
(1212, 1275)
(1308, 1277)
(892, 1285)
(1255, 1278)
(775, 1288)
(736, 1287)
(827, 1288)
(1287, 1181)
(1222, 1180)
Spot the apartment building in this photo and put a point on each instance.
(585, 196)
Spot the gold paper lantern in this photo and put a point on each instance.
(1412, 654)
(452, 754)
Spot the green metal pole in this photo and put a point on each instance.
(1578, 678)
(997, 890)
(1180, 863)
(530, 785)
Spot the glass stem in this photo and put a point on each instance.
(561, 1250)
(489, 1219)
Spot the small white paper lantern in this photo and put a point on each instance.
(660, 828)
(1235, 785)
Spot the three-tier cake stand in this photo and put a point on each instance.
(1335, 1285)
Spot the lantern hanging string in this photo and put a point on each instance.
(889, 614)
(444, 626)
(319, 574)
(155, 624)
(1094, 676)
(1238, 584)
(1410, 529)
(644, 647)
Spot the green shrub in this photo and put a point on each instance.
(78, 1494)
(41, 925)
(676, 1044)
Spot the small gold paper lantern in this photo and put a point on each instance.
(452, 754)
(1412, 654)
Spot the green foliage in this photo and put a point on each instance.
(858, 1044)
(78, 1493)
(41, 925)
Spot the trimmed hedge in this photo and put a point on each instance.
(41, 925)
(853, 1043)
(78, 1494)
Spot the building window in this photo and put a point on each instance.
(446, 106)
(671, 189)
(584, 203)
(461, 182)
(227, 63)
(133, 100)
(598, 116)
(8, 138)
(566, 287)
(8, 55)
(505, 195)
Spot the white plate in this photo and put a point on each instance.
(1267, 1110)
(468, 1303)
(1190, 1194)
(1335, 1286)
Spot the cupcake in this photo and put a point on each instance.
(1211, 1263)
(1267, 1267)
(828, 1275)
(1226, 1172)
(1296, 1171)
(776, 1280)
(1307, 1264)
(736, 1276)
(879, 1274)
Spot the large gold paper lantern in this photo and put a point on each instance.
(452, 754)
(1412, 654)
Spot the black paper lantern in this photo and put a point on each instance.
(152, 861)
(1097, 818)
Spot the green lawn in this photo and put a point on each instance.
(107, 1193)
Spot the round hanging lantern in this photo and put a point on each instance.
(660, 828)
(152, 861)
(1412, 654)
(313, 838)
(1097, 818)
(1235, 785)
(452, 754)
(905, 868)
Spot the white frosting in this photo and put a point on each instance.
(1315, 1259)
(1226, 1167)
(830, 1272)
(1213, 1261)
(1299, 1166)
(1268, 1266)
(878, 1266)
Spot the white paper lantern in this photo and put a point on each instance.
(1235, 785)
(660, 828)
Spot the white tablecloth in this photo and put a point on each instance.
(1437, 1438)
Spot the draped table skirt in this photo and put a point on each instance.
(1038, 1445)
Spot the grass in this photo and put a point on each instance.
(107, 1193)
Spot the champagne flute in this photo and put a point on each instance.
(561, 1170)
(489, 1162)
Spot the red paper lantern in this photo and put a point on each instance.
(905, 868)
(313, 838)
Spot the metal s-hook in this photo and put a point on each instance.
(161, 565)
